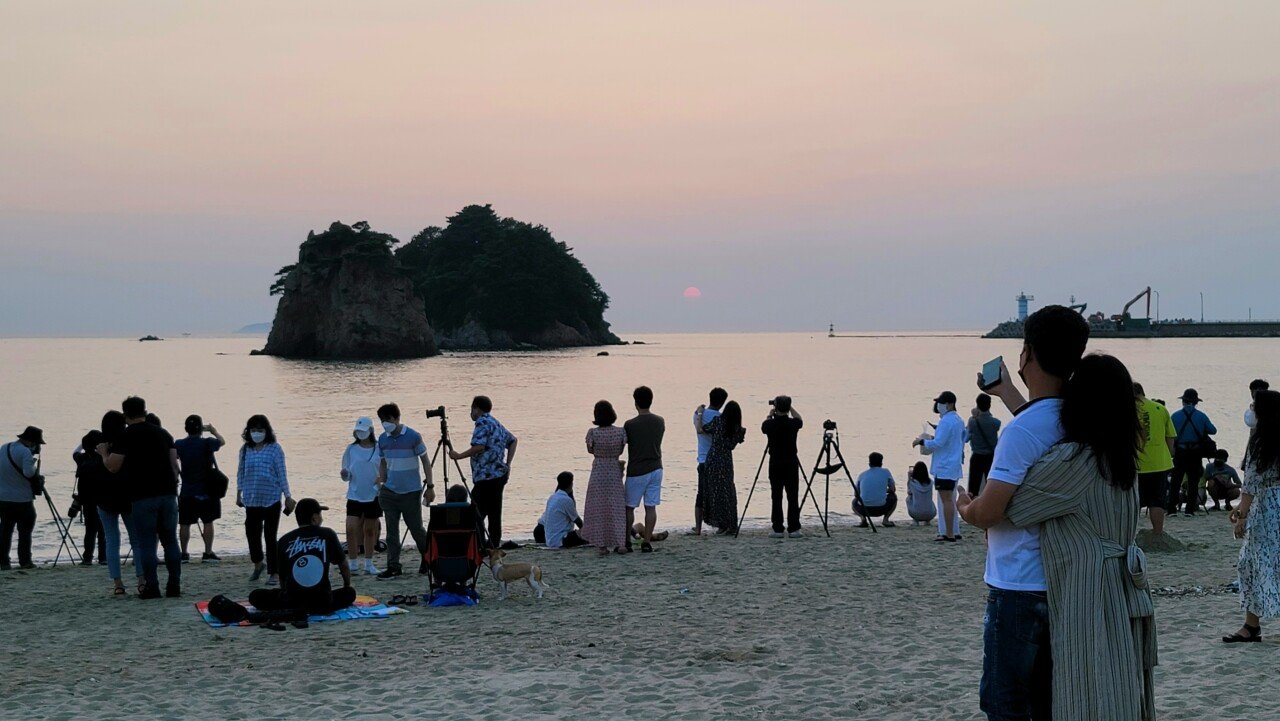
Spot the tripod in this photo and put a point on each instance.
(830, 444)
(64, 528)
(441, 445)
(751, 493)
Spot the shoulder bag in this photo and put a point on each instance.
(215, 480)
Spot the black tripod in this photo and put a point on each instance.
(750, 493)
(826, 468)
(64, 526)
(441, 446)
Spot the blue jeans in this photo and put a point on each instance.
(155, 520)
(1017, 669)
(111, 530)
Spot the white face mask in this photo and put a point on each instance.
(389, 427)
(363, 434)
(1250, 418)
(941, 408)
(258, 436)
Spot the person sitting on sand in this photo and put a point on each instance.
(920, 505)
(877, 497)
(304, 556)
(558, 527)
(1221, 481)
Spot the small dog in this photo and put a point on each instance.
(505, 573)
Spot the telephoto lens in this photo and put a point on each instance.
(437, 412)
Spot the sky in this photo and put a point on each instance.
(880, 166)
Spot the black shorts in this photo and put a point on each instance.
(944, 485)
(364, 509)
(191, 509)
(1153, 489)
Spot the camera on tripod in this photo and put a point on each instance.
(828, 425)
(437, 412)
(76, 506)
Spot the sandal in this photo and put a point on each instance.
(1255, 635)
(118, 591)
(939, 539)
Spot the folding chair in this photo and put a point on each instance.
(453, 548)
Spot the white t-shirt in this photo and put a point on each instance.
(704, 439)
(1013, 554)
(362, 465)
(558, 518)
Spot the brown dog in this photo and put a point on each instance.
(505, 573)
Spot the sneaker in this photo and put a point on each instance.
(353, 566)
(1188, 514)
(796, 534)
(389, 574)
(371, 569)
(186, 557)
(258, 568)
(210, 557)
(26, 566)
(777, 534)
(888, 524)
(645, 547)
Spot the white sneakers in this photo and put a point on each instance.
(370, 569)
(776, 534)
(796, 534)
(780, 534)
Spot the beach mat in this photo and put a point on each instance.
(364, 607)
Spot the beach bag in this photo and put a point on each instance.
(226, 610)
(215, 480)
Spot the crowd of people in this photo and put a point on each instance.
(1069, 628)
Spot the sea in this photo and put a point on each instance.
(877, 388)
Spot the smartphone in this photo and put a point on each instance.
(991, 372)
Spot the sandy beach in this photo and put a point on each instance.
(885, 625)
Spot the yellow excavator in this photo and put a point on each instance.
(1124, 321)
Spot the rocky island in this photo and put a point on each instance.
(479, 283)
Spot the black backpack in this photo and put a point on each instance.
(215, 480)
(226, 610)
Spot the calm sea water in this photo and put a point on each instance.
(879, 390)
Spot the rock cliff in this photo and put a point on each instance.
(346, 298)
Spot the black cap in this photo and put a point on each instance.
(945, 397)
(32, 435)
(307, 508)
(1190, 396)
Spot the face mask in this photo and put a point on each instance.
(1250, 418)
(389, 427)
(941, 408)
(1022, 364)
(258, 436)
(362, 434)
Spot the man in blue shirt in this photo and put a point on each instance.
(400, 491)
(877, 497)
(947, 466)
(195, 501)
(491, 452)
(1193, 428)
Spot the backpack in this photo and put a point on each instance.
(226, 610)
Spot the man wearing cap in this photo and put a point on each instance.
(947, 466)
(305, 556)
(20, 480)
(1193, 428)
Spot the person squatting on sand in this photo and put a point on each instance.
(1083, 497)
(261, 480)
(401, 493)
(1220, 483)
(920, 505)
(19, 481)
(303, 556)
(492, 451)
(560, 520)
(644, 466)
(720, 499)
(781, 427)
(1257, 521)
(604, 523)
(1016, 659)
(196, 502)
(361, 466)
(947, 449)
(1155, 456)
(701, 416)
(144, 456)
(877, 496)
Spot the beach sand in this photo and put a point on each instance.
(884, 626)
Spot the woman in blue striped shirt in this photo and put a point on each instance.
(260, 482)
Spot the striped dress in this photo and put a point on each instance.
(1101, 624)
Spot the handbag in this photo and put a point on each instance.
(215, 480)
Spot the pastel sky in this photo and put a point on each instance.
(879, 165)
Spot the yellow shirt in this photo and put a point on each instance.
(1157, 429)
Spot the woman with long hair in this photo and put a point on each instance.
(1257, 521)
(920, 505)
(720, 501)
(360, 465)
(261, 480)
(604, 515)
(114, 506)
(1083, 495)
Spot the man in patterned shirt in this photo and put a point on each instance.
(491, 452)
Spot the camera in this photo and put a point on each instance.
(76, 507)
(772, 401)
(828, 425)
(437, 412)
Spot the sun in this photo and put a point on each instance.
(692, 292)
